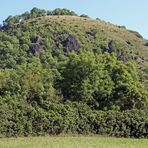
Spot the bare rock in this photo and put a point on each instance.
(71, 43)
(36, 48)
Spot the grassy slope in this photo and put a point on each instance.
(108, 30)
(73, 142)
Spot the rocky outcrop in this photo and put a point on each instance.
(71, 43)
(35, 48)
(35, 45)
(146, 44)
(111, 46)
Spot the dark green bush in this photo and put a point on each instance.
(60, 11)
(20, 119)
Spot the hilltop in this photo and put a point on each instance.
(64, 73)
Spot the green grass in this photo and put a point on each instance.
(73, 142)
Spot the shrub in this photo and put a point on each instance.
(21, 119)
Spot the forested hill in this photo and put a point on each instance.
(64, 73)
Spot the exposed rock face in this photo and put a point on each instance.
(35, 48)
(111, 46)
(71, 43)
(146, 44)
(36, 39)
(123, 57)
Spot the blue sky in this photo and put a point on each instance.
(131, 13)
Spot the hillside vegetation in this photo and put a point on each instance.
(64, 73)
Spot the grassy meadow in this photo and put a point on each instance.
(72, 142)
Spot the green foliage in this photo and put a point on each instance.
(84, 79)
(30, 82)
(102, 82)
(11, 20)
(35, 12)
(63, 11)
(23, 120)
(58, 75)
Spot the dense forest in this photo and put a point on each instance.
(70, 74)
